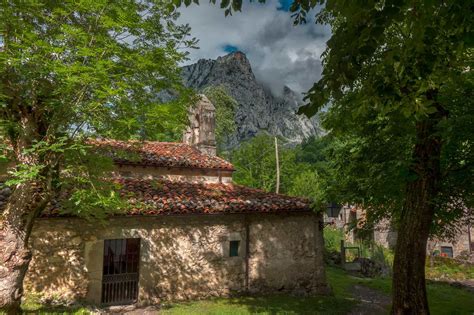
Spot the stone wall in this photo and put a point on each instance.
(460, 246)
(182, 257)
(175, 174)
(286, 254)
(57, 270)
(386, 235)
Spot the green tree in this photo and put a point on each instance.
(68, 70)
(318, 178)
(225, 115)
(255, 164)
(306, 170)
(310, 184)
(391, 71)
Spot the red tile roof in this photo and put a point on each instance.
(163, 197)
(161, 154)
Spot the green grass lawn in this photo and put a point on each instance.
(443, 299)
(275, 304)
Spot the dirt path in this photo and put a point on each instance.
(372, 302)
(466, 284)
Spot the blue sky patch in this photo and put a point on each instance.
(284, 5)
(230, 48)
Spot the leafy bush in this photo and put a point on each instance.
(382, 255)
(332, 239)
(448, 268)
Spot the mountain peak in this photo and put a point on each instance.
(236, 62)
(258, 109)
(239, 55)
(236, 55)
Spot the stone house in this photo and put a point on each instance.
(385, 234)
(191, 233)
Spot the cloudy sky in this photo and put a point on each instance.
(280, 53)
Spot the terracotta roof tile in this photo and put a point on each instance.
(163, 197)
(161, 154)
(166, 197)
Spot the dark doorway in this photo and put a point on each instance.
(120, 275)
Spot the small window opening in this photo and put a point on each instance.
(446, 251)
(234, 248)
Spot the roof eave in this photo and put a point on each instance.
(122, 163)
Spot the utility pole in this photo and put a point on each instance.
(277, 167)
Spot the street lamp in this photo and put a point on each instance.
(332, 211)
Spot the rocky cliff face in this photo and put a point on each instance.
(258, 109)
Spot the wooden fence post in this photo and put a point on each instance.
(343, 254)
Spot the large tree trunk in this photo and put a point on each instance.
(24, 205)
(409, 290)
(29, 123)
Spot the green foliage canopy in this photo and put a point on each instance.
(70, 70)
(411, 62)
(255, 164)
(305, 169)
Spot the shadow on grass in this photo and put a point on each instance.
(443, 298)
(271, 304)
(283, 304)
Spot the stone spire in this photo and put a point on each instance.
(202, 124)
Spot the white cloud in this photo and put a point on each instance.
(280, 53)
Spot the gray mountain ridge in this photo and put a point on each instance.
(259, 110)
